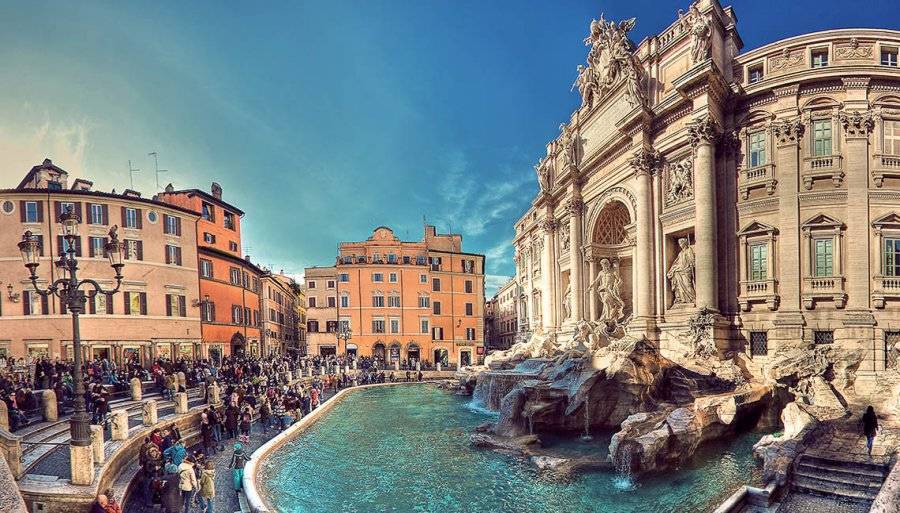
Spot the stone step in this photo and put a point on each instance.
(837, 470)
(873, 466)
(820, 487)
(858, 482)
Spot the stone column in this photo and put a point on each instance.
(181, 402)
(13, 458)
(703, 133)
(119, 421)
(149, 412)
(575, 207)
(644, 162)
(857, 126)
(548, 294)
(97, 439)
(4, 416)
(81, 463)
(137, 390)
(48, 406)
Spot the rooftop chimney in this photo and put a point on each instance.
(216, 190)
(169, 188)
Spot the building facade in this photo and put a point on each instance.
(154, 313)
(279, 307)
(758, 191)
(230, 285)
(321, 311)
(402, 301)
(504, 325)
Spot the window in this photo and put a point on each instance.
(173, 254)
(889, 57)
(236, 314)
(330, 284)
(134, 249)
(407, 260)
(892, 137)
(312, 302)
(377, 277)
(436, 308)
(66, 245)
(312, 326)
(208, 212)
(824, 257)
(97, 212)
(31, 212)
(331, 326)
(135, 303)
(311, 284)
(759, 261)
(378, 301)
(423, 325)
(469, 286)
(424, 302)
(332, 301)
(66, 206)
(823, 337)
(345, 301)
(395, 325)
(175, 306)
(131, 217)
(208, 312)
(34, 304)
(392, 258)
(468, 266)
(377, 325)
(376, 258)
(344, 277)
(97, 248)
(209, 238)
(755, 74)
(423, 278)
(392, 277)
(759, 343)
(229, 220)
(420, 260)
(470, 309)
(206, 268)
(394, 301)
(435, 263)
(437, 333)
(436, 284)
(757, 144)
(470, 333)
(821, 137)
(235, 275)
(891, 257)
(232, 246)
(819, 58)
(344, 325)
(170, 225)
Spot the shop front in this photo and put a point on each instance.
(351, 349)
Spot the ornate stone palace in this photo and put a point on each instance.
(757, 192)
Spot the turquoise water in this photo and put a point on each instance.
(405, 449)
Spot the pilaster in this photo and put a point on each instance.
(703, 134)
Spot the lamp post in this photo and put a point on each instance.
(68, 288)
(345, 334)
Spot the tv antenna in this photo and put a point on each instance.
(131, 172)
(155, 156)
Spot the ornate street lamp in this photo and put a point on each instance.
(345, 334)
(68, 289)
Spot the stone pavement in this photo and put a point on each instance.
(798, 502)
(226, 500)
(843, 440)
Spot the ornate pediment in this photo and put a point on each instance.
(757, 228)
(889, 221)
(821, 222)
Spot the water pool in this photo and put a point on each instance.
(405, 449)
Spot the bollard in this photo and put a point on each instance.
(181, 402)
(214, 394)
(439, 367)
(97, 437)
(4, 416)
(354, 364)
(182, 381)
(119, 421)
(81, 461)
(396, 366)
(49, 406)
(418, 366)
(137, 390)
(149, 412)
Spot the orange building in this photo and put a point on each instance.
(229, 283)
(408, 301)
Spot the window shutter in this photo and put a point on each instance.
(40, 209)
(109, 305)
(124, 217)
(45, 306)
(166, 251)
(178, 255)
(78, 246)
(178, 226)
(105, 214)
(140, 218)
(212, 312)
(57, 208)
(169, 305)
(127, 297)
(92, 302)
(78, 211)
(59, 244)
(89, 213)
(91, 247)
(22, 213)
(140, 249)
(143, 297)
(26, 302)
(182, 306)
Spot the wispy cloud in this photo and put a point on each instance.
(492, 283)
(65, 142)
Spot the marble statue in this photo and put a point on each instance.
(610, 61)
(700, 31)
(606, 288)
(681, 181)
(567, 302)
(681, 274)
(542, 169)
(587, 85)
(569, 142)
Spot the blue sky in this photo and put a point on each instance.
(323, 119)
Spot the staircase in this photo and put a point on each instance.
(854, 481)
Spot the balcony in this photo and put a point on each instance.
(885, 166)
(886, 287)
(758, 291)
(756, 177)
(823, 288)
(822, 167)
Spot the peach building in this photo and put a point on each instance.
(279, 307)
(321, 310)
(230, 284)
(153, 314)
(402, 301)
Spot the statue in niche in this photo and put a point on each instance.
(564, 236)
(567, 302)
(606, 289)
(681, 181)
(698, 26)
(681, 275)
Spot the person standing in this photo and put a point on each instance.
(187, 483)
(238, 460)
(170, 492)
(870, 427)
(207, 487)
